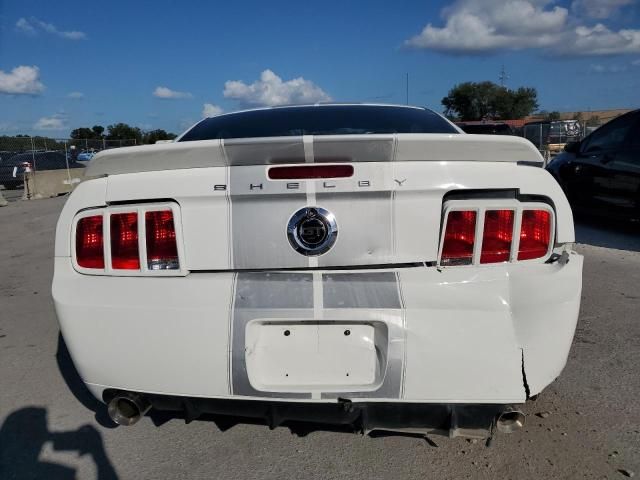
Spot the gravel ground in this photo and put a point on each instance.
(585, 425)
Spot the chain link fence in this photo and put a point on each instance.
(23, 157)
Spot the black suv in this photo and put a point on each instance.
(601, 173)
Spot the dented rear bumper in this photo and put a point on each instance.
(472, 335)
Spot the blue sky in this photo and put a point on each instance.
(579, 54)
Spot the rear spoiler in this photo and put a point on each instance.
(414, 147)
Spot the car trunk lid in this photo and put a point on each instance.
(237, 216)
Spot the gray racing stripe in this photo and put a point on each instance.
(265, 295)
(373, 295)
(360, 290)
(266, 290)
(372, 298)
(258, 214)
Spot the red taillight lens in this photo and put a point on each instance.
(124, 241)
(303, 172)
(497, 236)
(162, 251)
(89, 242)
(459, 238)
(535, 234)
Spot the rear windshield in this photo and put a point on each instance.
(319, 120)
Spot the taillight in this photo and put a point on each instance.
(124, 241)
(497, 236)
(459, 238)
(162, 251)
(535, 234)
(89, 242)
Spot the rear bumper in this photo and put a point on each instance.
(490, 335)
(453, 420)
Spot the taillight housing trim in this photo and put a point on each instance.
(481, 206)
(140, 210)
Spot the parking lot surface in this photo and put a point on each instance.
(585, 425)
(11, 195)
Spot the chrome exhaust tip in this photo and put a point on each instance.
(127, 408)
(510, 421)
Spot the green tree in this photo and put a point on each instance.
(87, 133)
(524, 102)
(469, 100)
(97, 130)
(122, 131)
(154, 135)
(14, 144)
(80, 133)
(480, 100)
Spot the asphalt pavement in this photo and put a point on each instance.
(11, 195)
(585, 425)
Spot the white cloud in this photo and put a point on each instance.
(167, 93)
(34, 25)
(211, 110)
(75, 95)
(270, 90)
(599, 68)
(484, 26)
(599, 40)
(22, 25)
(22, 80)
(600, 9)
(55, 122)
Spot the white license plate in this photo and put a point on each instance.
(310, 356)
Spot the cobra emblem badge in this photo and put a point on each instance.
(312, 231)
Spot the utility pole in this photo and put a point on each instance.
(503, 77)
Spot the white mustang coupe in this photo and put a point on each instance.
(365, 265)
